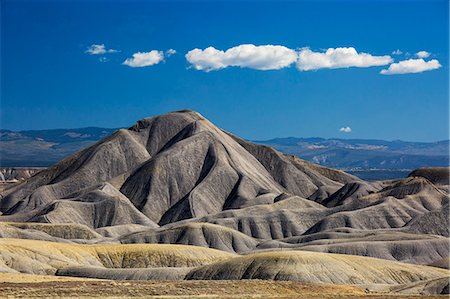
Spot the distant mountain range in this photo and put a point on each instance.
(42, 148)
(364, 153)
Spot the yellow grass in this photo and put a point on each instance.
(33, 278)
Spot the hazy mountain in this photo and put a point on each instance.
(42, 148)
(365, 153)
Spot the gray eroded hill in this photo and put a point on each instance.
(173, 167)
(178, 179)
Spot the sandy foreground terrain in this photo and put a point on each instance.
(40, 286)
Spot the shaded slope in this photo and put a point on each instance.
(198, 234)
(436, 175)
(297, 176)
(348, 193)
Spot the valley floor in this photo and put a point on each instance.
(53, 287)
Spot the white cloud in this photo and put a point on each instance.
(95, 49)
(266, 57)
(103, 59)
(397, 52)
(411, 66)
(423, 54)
(338, 58)
(345, 129)
(170, 52)
(142, 59)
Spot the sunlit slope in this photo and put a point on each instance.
(41, 257)
(314, 267)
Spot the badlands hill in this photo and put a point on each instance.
(238, 210)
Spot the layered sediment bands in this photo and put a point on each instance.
(41, 257)
(198, 234)
(316, 267)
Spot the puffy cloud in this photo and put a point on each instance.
(95, 49)
(345, 129)
(423, 54)
(397, 52)
(335, 58)
(266, 57)
(411, 66)
(170, 52)
(142, 59)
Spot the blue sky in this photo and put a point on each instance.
(50, 80)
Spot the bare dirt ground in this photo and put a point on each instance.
(184, 289)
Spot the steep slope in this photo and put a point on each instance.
(97, 164)
(298, 177)
(167, 168)
(348, 193)
(197, 176)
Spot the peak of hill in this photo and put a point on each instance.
(42, 148)
(172, 167)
